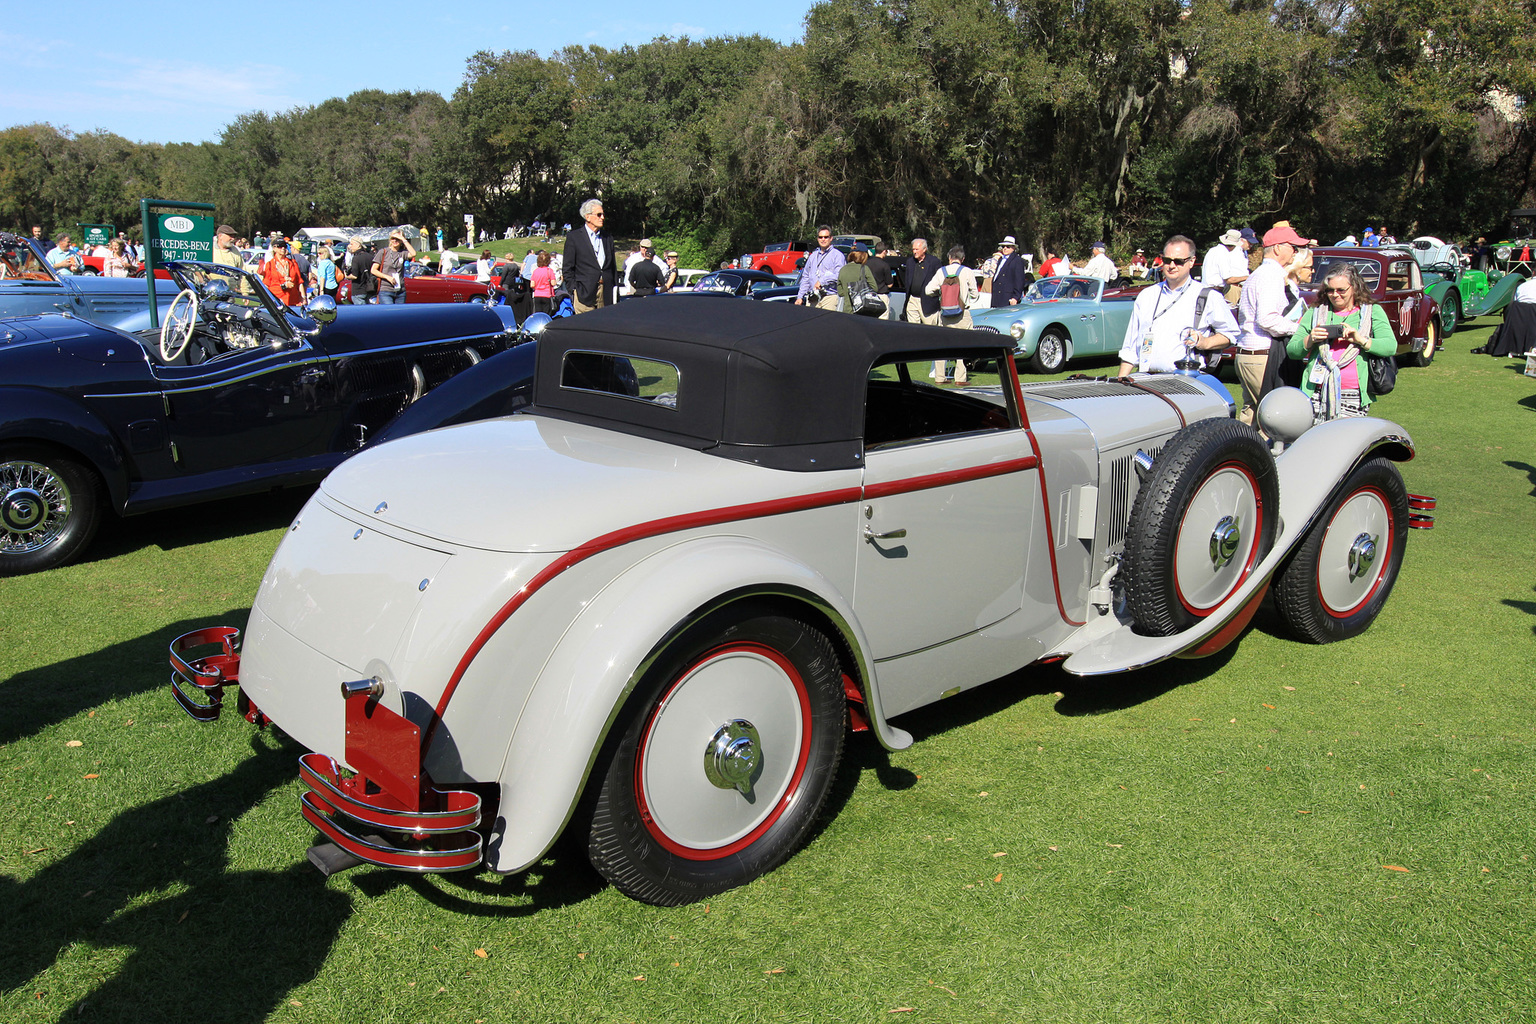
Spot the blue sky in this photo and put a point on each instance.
(183, 72)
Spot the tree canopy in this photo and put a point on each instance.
(1059, 121)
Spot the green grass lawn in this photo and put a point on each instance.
(1281, 833)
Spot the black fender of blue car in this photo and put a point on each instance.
(49, 418)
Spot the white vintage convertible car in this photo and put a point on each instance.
(650, 605)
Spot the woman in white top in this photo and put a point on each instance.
(484, 266)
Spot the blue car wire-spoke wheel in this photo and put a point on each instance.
(1203, 520)
(48, 509)
(1342, 572)
(1050, 351)
(727, 757)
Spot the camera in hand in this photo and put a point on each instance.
(1335, 331)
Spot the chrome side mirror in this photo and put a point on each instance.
(321, 309)
(535, 323)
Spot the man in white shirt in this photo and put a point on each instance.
(1100, 265)
(1261, 311)
(1526, 292)
(1164, 318)
(1226, 265)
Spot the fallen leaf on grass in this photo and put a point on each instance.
(902, 1009)
(776, 970)
(1231, 721)
(1270, 706)
(581, 956)
(639, 977)
(129, 722)
(997, 877)
(1051, 848)
(93, 775)
(982, 793)
(1485, 871)
(40, 849)
(91, 715)
(482, 954)
(1290, 688)
(1394, 867)
(1001, 853)
(945, 988)
(294, 1002)
(1303, 812)
(1116, 846)
(74, 743)
(183, 917)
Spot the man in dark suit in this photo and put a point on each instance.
(922, 308)
(588, 265)
(1008, 277)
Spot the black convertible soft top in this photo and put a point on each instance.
(764, 382)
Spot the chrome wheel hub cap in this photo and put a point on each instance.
(1225, 540)
(34, 506)
(22, 510)
(1362, 555)
(733, 756)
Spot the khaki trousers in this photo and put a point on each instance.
(915, 312)
(582, 307)
(1250, 371)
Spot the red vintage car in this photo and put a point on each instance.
(780, 257)
(1396, 285)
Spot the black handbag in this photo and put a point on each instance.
(1383, 374)
(864, 300)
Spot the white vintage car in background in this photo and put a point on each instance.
(650, 605)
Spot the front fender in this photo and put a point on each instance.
(1310, 471)
(583, 686)
(32, 414)
(1500, 295)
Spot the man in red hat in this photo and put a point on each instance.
(1261, 312)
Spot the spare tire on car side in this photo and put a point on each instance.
(1205, 516)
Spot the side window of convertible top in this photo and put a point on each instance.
(610, 373)
(904, 404)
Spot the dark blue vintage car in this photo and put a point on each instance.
(233, 393)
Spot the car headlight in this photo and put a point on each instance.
(1017, 330)
(1503, 252)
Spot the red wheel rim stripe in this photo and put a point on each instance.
(1379, 566)
(790, 792)
(1253, 552)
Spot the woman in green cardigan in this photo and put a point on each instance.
(1331, 340)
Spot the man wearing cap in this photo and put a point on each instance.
(1225, 266)
(644, 275)
(1261, 311)
(1170, 316)
(1008, 275)
(644, 253)
(224, 250)
(818, 278)
(1100, 265)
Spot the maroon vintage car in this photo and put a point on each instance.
(1396, 285)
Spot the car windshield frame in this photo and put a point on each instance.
(23, 263)
(1051, 289)
(245, 289)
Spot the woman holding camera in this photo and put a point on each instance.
(1334, 337)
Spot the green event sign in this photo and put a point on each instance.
(178, 236)
(95, 234)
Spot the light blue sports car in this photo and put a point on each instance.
(1061, 318)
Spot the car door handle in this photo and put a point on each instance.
(311, 376)
(872, 536)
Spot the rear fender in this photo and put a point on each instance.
(582, 688)
(46, 417)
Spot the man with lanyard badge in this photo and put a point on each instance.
(818, 278)
(1169, 319)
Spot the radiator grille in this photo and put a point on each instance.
(1117, 511)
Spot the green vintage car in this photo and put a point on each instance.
(1063, 318)
(1513, 254)
(1462, 294)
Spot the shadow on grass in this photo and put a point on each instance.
(40, 697)
(563, 878)
(220, 946)
(197, 524)
(1525, 467)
